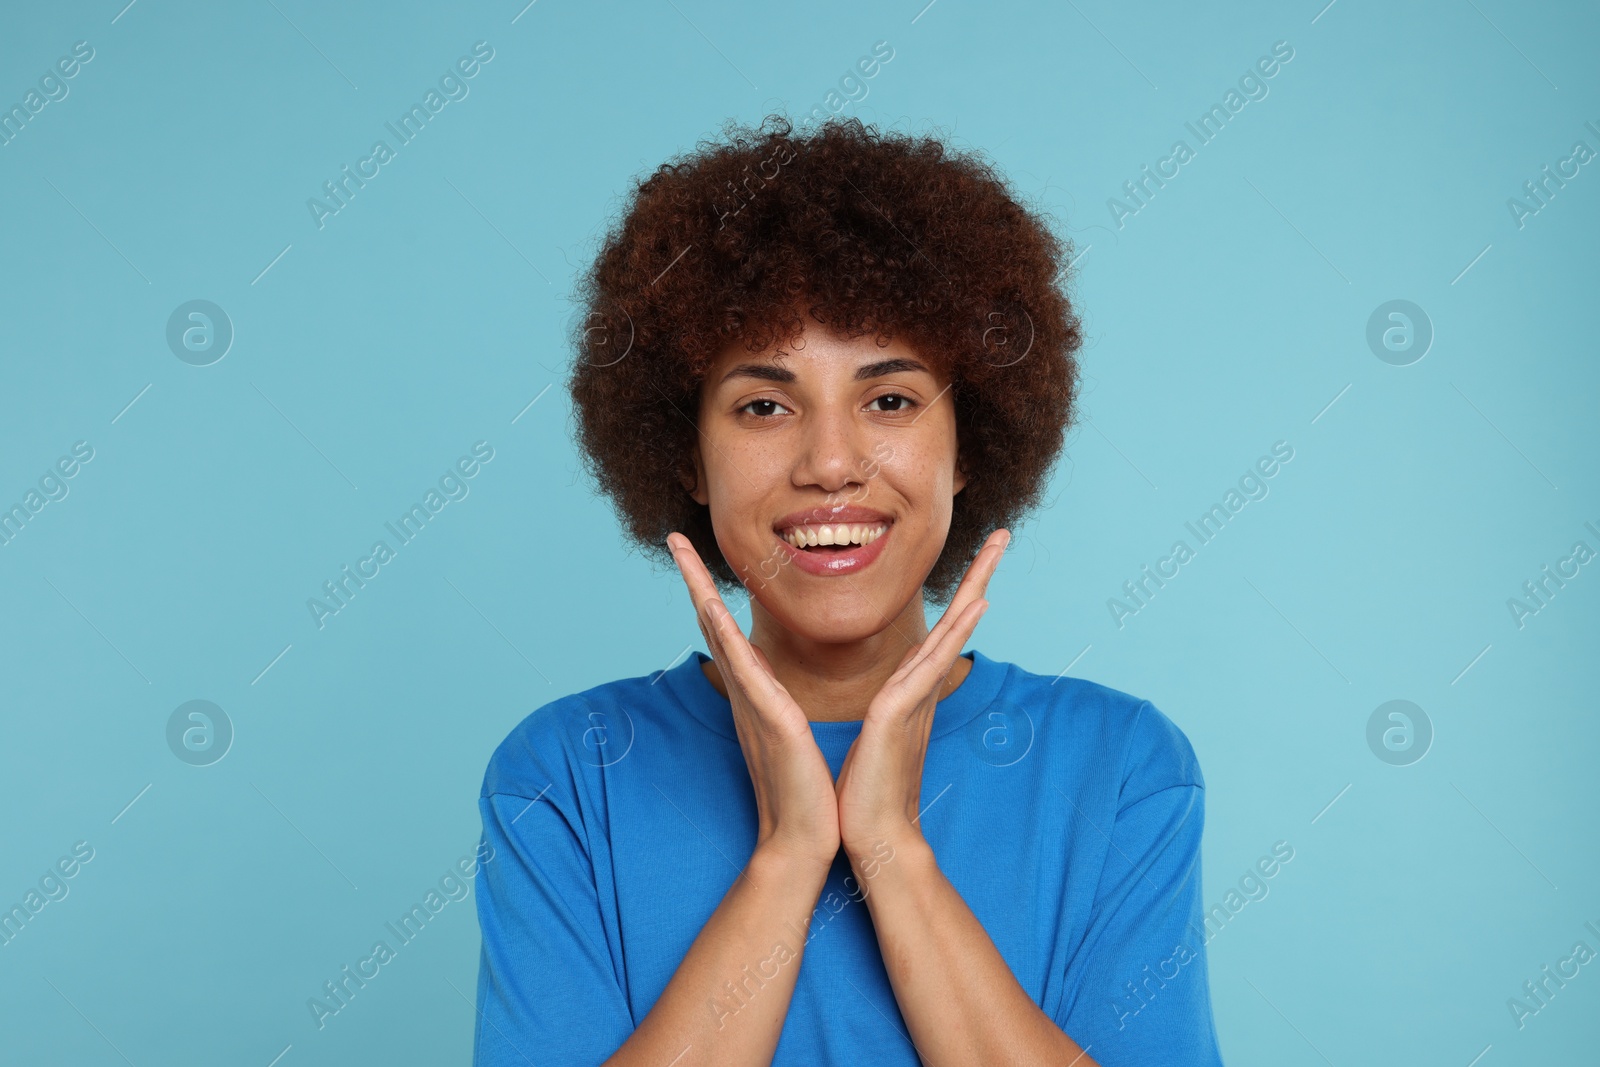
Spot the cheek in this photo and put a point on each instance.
(918, 485)
(737, 484)
(939, 513)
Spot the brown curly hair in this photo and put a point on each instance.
(870, 232)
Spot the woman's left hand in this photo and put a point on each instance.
(880, 783)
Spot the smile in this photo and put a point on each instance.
(833, 549)
(838, 536)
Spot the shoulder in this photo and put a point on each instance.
(590, 728)
(1113, 728)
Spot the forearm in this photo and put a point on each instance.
(956, 992)
(726, 1002)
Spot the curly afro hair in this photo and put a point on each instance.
(869, 232)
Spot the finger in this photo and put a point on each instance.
(702, 593)
(930, 670)
(704, 597)
(746, 658)
(911, 653)
(724, 639)
(974, 584)
(693, 570)
(761, 657)
(734, 652)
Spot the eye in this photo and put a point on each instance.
(766, 403)
(905, 402)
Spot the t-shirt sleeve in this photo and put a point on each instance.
(548, 992)
(1145, 999)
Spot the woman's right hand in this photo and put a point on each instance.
(797, 808)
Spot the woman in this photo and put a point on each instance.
(832, 368)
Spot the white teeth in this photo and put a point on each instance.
(838, 534)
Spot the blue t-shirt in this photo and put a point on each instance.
(1066, 814)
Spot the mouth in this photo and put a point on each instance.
(826, 542)
(838, 537)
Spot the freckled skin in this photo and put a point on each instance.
(768, 448)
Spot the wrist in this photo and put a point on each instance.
(785, 867)
(868, 853)
(893, 866)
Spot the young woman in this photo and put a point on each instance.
(830, 370)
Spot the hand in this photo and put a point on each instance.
(797, 811)
(880, 783)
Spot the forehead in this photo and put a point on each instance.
(816, 353)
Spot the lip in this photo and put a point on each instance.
(833, 564)
(849, 514)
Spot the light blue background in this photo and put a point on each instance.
(1228, 314)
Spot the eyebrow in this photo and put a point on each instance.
(771, 373)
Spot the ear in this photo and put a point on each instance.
(697, 490)
(960, 481)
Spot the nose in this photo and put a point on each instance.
(834, 445)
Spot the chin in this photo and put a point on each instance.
(836, 613)
(825, 631)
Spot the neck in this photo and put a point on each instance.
(836, 681)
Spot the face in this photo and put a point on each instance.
(828, 440)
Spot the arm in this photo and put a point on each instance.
(1136, 991)
(548, 991)
(548, 971)
(726, 1002)
(1141, 993)
(955, 991)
